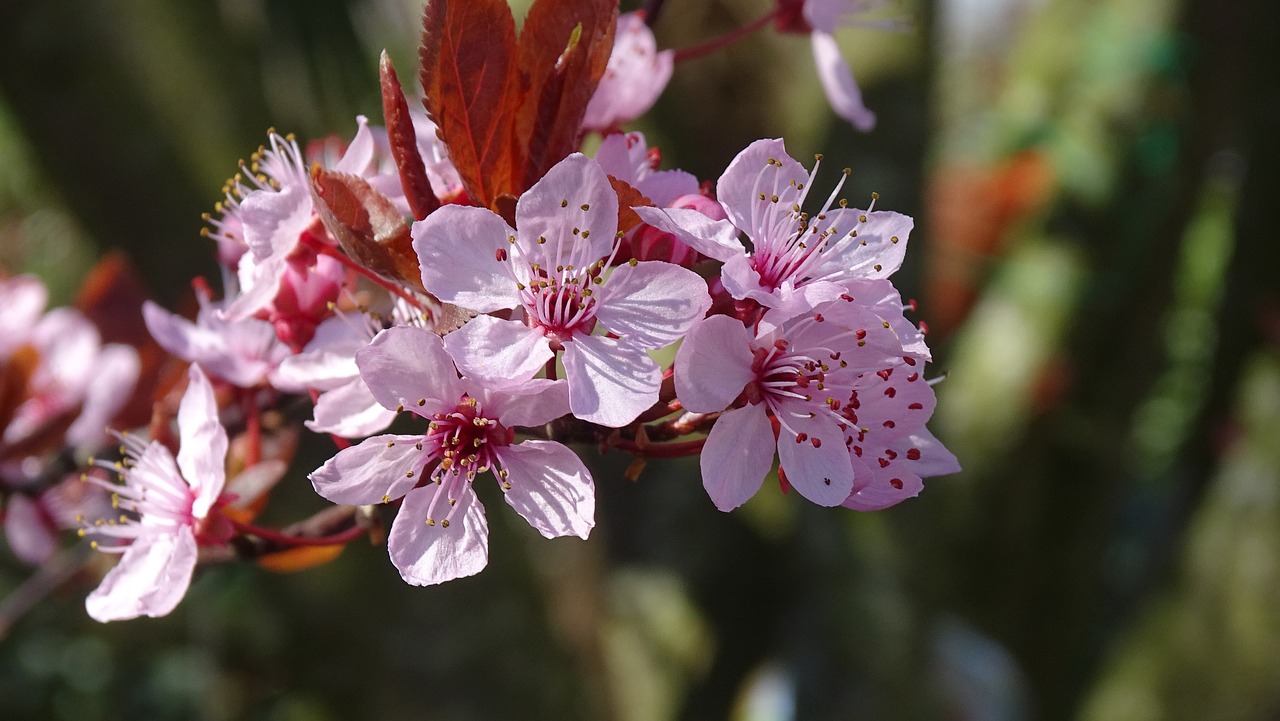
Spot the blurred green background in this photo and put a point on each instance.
(1094, 187)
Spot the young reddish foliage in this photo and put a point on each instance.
(366, 224)
(468, 72)
(404, 143)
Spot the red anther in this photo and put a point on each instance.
(911, 305)
(802, 380)
(924, 328)
(889, 424)
(500, 254)
(818, 317)
(846, 297)
(654, 157)
(909, 360)
(890, 454)
(913, 454)
(891, 391)
(913, 377)
(916, 407)
(884, 374)
(817, 442)
(884, 463)
(857, 450)
(896, 483)
(860, 334)
(802, 437)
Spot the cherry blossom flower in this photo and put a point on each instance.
(244, 353)
(345, 406)
(627, 157)
(796, 258)
(553, 269)
(636, 75)
(166, 503)
(75, 374)
(33, 521)
(440, 532)
(799, 375)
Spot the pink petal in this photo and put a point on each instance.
(737, 456)
(458, 249)
(405, 364)
(713, 364)
(550, 488)
(150, 579)
(370, 472)
(876, 251)
(610, 381)
(273, 220)
(259, 284)
(553, 208)
(742, 281)
(528, 404)
(202, 455)
(893, 403)
(350, 411)
(935, 459)
(838, 83)
(29, 534)
(821, 473)
(750, 174)
(426, 555)
(652, 304)
(634, 78)
(881, 488)
(716, 239)
(506, 350)
(116, 371)
(625, 156)
(250, 484)
(358, 158)
(23, 298)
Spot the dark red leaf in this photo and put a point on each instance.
(404, 143)
(564, 48)
(468, 72)
(628, 197)
(366, 224)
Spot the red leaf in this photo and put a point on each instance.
(366, 224)
(468, 69)
(404, 143)
(628, 197)
(564, 48)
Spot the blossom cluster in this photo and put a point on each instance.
(448, 316)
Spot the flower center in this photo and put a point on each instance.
(465, 443)
(561, 304)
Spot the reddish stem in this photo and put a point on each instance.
(729, 38)
(253, 427)
(284, 539)
(679, 449)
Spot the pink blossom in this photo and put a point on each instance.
(799, 375)
(628, 158)
(244, 353)
(34, 521)
(796, 258)
(634, 78)
(553, 269)
(345, 406)
(76, 374)
(440, 532)
(165, 503)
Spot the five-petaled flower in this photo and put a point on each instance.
(553, 270)
(165, 504)
(440, 532)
